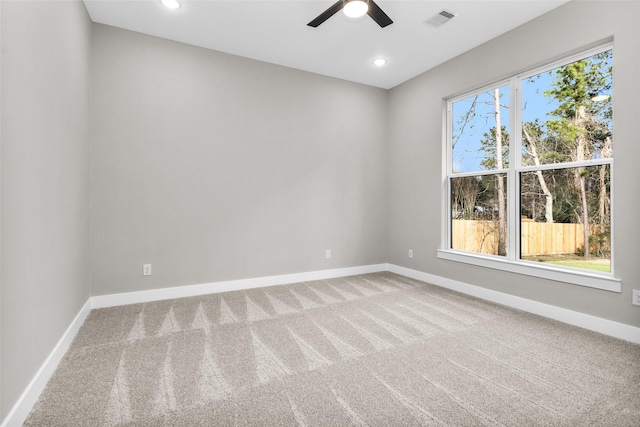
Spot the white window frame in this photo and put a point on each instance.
(512, 262)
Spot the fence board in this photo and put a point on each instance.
(538, 238)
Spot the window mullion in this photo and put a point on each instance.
(512, 175)
(449, 172)
(567, 165)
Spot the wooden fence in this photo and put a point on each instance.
(538, 238)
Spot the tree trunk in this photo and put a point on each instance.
(499, 164)
(548, 205)
(581, 146)
(603, 196)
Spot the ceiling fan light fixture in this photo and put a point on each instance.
(170, 4)
(355, 8)
(350, 7)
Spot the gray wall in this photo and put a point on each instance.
(415, 151)
(214, 167)
(45, 182)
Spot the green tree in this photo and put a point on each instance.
(488, 147)
(581, 128)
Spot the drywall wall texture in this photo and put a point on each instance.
(45, 182)
(213, 167)
(416, 151)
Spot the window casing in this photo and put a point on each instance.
(529, 161)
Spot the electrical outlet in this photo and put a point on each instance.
(635, 298)
(327, 254)
(411, 253)
(146, 269)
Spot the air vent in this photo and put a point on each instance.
(440, 18)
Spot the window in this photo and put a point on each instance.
(529, 172)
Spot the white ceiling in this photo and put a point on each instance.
(276, 31)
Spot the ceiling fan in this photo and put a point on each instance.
(354, 9)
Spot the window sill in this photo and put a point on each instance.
(576, 277)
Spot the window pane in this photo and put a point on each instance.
(479, 214)
(561, 209)
(567, 112)
(480, 132)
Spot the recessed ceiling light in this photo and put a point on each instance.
(355, 8)
(379, 62)
(170, 4)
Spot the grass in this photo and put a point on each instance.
(588, 264)
(575, 261)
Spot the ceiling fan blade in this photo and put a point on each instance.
(378, 15)
(326, 14)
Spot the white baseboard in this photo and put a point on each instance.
(586, 321)
(232, 285)
(29, 397)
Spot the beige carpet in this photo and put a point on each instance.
(370, 350)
